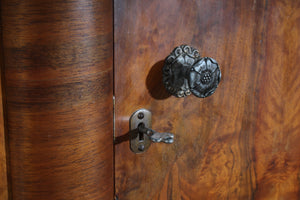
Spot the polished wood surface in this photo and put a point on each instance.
(240, 143)
(3, 170)
(59, 109)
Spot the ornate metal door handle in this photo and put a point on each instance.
(186, 72)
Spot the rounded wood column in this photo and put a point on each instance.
(58, 84)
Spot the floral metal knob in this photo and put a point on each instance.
(185, 72)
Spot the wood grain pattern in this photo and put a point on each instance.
(58, 82)
(239, 143)
(277, 139)
(3, 170)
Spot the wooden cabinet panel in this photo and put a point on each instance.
(58, 79)
(3, 170)
(239, 143)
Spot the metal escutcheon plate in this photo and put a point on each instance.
(139, 143)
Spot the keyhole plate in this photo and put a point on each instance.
(138, 143)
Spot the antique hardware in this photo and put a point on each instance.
(141, 134)
(185, 72)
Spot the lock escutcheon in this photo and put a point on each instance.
(139, 142)
(141, 134)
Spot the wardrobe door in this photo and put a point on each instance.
(242, 142)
